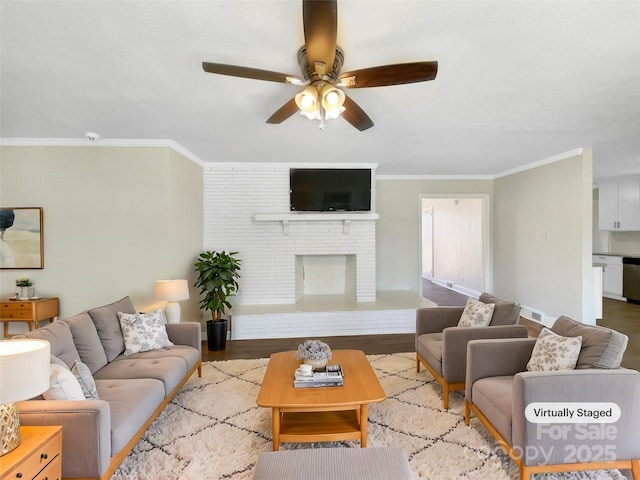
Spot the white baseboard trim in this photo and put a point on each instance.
(537, 316)
(614, 296)
(456, 287)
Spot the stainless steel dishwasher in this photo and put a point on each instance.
(631, 279)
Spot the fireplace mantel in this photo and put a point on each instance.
(285, 218)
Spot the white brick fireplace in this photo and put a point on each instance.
(246, 209)
(302, 274)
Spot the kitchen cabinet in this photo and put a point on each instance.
(611, 275)
(619, 205)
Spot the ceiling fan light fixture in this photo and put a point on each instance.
(332, 98)
(307, 100)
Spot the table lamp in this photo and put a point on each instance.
(24, 374)
(172, 291)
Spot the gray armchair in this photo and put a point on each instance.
(498, 392)
(441, 346)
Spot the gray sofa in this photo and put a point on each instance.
(132, 390)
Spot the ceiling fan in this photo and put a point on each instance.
(321, 61)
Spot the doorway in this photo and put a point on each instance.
(454, 244)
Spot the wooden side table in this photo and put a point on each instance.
(39, 455)
(30, 311)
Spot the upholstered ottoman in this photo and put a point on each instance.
(386, 463)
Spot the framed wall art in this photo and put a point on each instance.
(21, 238)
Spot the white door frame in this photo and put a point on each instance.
(423, 241)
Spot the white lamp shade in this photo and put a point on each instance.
(24, 369)
(172, 290)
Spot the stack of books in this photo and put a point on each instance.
(330, 376)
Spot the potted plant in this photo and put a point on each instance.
(24, 290)
(218, 274)
(315, 353)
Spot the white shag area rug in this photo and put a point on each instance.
(213, 429)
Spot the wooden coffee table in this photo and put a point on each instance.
(321, 414)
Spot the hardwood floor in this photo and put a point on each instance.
(624, 317)
(620, 316)
(442, 296)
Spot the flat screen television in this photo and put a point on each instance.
(330, 189)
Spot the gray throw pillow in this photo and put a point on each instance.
(85, 379)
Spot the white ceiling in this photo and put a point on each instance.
(518, 81)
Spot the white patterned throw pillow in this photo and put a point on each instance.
(143, 331)
(476, 314)
(63, 385)
(554, 352)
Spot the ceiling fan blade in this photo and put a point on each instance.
(355, 115)
(320, 19)
(284, 112)
(254, 73)
(385, 75)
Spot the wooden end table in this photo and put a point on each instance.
(30, 311)
(321, 414)
(39, 455)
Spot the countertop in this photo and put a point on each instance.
(618, 254)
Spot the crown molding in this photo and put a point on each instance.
(529, 166)
(435, 177)
(546, 161)
(109, 142)
(167, 143)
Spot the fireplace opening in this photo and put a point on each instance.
(326, 275)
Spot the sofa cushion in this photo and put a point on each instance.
(131, 403)
(494, 398)
(59, 336)
(601, 347)
(105, 319)
(476, 314)
(188, 354)
(85, 337)
(429, 346)
(57, 361)
(143, 332)
(169, 370)
(504, 313)
(85, 379)
(63, 385)
(554, 352)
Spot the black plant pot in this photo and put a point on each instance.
(217, 335)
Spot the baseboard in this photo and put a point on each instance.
(537, 316)
(456, 287)
(613, 296)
